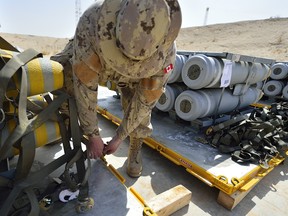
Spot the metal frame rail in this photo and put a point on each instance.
(233, 187)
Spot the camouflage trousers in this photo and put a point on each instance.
(145, 128)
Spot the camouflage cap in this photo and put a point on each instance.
(134, 36)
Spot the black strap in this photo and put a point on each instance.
(241, 157)
(256, 139)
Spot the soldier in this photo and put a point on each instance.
(131, 43)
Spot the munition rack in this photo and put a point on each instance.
(180, 143)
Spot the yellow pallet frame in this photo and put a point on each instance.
(234, 190)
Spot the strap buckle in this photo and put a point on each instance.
(2, 116)
(67, 195)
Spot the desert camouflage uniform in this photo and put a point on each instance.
(139, 94)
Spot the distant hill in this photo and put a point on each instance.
(261, 38)
(46, 45)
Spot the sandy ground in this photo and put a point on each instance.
(262, 38)
(46, 45)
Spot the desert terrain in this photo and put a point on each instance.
(261, 38)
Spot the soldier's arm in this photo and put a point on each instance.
(85, 72)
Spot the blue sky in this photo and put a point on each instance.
(56, 18)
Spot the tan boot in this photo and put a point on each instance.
(134, 165)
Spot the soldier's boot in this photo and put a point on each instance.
(134, 165)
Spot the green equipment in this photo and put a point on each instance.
(256, 137)
(31, 117)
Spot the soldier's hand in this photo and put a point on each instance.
(95, 147)
(112, 145)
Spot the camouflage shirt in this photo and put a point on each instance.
(89, 69)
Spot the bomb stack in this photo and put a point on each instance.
(195, 87)
(276, 85)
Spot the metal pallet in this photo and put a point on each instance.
(179, 144)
